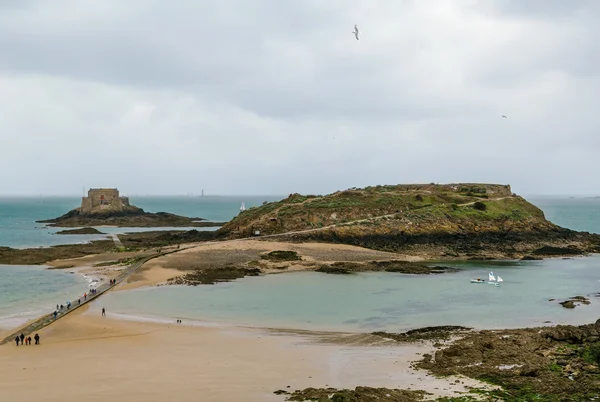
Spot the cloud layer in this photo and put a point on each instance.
(277, 96)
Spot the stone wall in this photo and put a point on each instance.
(102, 198)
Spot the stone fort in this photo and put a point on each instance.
(103, 198)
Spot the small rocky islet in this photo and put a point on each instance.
(80, 231)
(105, 207)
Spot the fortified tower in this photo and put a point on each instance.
(103, 198)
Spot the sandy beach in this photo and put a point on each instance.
(88, 357)
(85, 356)
(204, 255)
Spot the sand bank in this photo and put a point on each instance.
(322, 252)
(214, 254)
(239, 252)
(91, 358)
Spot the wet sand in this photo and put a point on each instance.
(202, 255)
(88, 357)
(239, 252)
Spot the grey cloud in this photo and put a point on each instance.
(542, 9)
(218, 53)
(277, 96)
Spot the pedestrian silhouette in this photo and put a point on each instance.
(17, 340)
(37, 339)
(103, 312)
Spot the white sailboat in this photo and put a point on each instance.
(243, 207)
(492, 279)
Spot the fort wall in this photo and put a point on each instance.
(103, 198)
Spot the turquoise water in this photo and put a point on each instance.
(28, 292)
(380, 301)
(582, 214)
(18, 215)
(384, 301)
(310, 300)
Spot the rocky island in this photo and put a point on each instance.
(466, 221)
(105, 207)
(80, 231)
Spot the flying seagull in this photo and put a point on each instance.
(355, 32)
(504, 116)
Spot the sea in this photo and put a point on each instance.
(529, 295)
(27, 292)
(18, 216)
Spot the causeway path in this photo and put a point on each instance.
(117, 241)
(48, 319)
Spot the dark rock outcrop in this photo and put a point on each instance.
(129, 216)
(81, 231)
(210, 276)
(396, 266)
(574, 301)
(551, 363)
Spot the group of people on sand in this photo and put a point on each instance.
(27, 340)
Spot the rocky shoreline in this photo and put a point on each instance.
(556, 363)
(560, 363)
(401, 267)
(80, 231)
(468, 246)
(131, 242)
(41, 255)
(130, 217)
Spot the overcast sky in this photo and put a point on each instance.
(277, 96)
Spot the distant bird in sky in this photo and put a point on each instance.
(355, 32)
(504, 116)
